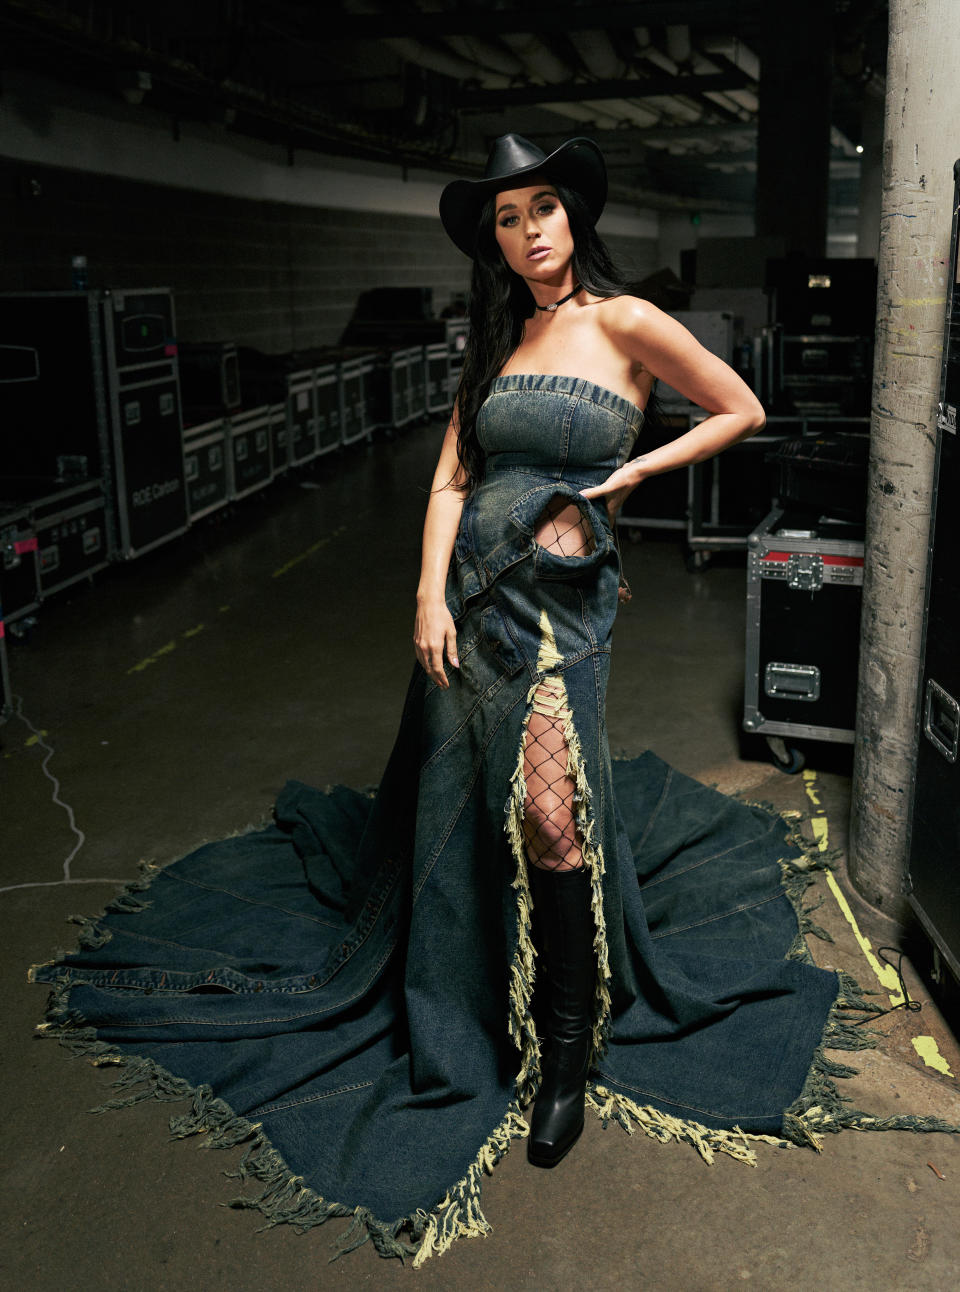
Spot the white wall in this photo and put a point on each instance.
(47, 123)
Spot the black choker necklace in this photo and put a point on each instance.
(562, 301)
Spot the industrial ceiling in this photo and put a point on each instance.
(669, 90)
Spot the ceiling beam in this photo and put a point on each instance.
(575, 91)
(500, 22)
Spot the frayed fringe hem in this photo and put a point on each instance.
(284, 1198)
(521, 1025)
(821, 1108)
(610, 1106)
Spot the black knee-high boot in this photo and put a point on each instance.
(561, 900)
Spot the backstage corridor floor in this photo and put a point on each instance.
(178, 694)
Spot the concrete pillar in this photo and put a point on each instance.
(793, 130)
(871, 175)
(920, 146)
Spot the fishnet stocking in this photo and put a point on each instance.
(549, 824)
(561, 528)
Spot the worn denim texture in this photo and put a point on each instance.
(347, 978)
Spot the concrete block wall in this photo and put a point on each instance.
(274, 275)
(267, 274)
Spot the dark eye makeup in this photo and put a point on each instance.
(545, 208)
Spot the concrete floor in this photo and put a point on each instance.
(177, 695)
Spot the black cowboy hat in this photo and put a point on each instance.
(577, 164)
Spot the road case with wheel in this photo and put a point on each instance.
(19, 569)
(251, 450)
(804, 582)
(207, 468)
(437, 360)
(89, 388)
(71, 525)
(329, 406)
(357, 370)
(302, 416)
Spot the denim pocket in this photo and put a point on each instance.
(550, 560)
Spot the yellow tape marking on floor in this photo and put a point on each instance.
(158, 654)
(885, 974)
(809, 783)
(314, 547)
(929, 1051)
(192, 632)
(32, 740)
(821, 832)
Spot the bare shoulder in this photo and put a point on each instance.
(627, 319)
(632, 323)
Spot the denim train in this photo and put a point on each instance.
(349, 992)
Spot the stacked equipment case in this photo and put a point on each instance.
(206, 466)
(88, 391)
(804, 586)
(71, 526)
(19, 566)
(933, 873)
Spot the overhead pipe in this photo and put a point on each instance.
(599, 55)
(446, 62)
(601, 59)
(678, 42)
(488, 54)
(724, 99)
(544, 66)
(671, 105)
(744, 59)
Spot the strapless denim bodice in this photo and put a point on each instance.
(543, 435)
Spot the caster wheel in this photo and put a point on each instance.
(787, 757)
(696, 559)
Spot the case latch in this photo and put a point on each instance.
(805, 571)
(941, 721)
(792, 681)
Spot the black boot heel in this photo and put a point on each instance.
(561, 900)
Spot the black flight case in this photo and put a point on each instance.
(19, 566)
(933, 859)
(804, 585)
(89, 389)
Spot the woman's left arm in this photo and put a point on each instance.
(655, 341)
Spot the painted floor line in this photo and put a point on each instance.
(888, 978)
(309, 551)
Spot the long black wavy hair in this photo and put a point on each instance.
(500, 302)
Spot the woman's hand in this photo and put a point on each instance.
(617, 488)
(434, 634)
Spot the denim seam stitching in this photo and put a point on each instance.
(677, 1103)
(723, 915)
(268, 906)
(664, 879)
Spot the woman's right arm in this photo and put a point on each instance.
(435, 633)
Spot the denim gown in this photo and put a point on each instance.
(349, 991)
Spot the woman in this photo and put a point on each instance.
(546, 309)
(349, 992)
